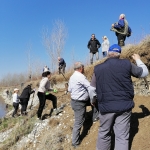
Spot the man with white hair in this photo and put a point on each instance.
(122, 29)
(61, 65)
(80, 89)
(115, 93)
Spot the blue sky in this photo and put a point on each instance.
(22, 22)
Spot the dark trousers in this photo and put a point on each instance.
(121, 39)
(24, 104)
(62, 68)
(42, 99)
(16, 106)
(79, 108)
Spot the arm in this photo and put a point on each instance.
(140, 70)
(98, 44)
(89, 44)
(120, 24)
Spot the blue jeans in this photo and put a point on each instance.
(92, 55)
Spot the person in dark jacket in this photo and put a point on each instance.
(24, 98)
(93, 45)
(115, 93)
(121, 29)
(61, 65)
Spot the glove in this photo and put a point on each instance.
(47, 93)
(55, 91)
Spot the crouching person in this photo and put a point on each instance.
(24, 98)
(15, 102)
(79, 87)
(44, 93)
(115, 93)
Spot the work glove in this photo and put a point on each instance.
(47, 93)
(55, 91)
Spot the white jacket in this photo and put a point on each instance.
(15, 98)
(105, 45)
(44, 85)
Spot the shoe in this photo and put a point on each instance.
(56, 111)
(75, 146)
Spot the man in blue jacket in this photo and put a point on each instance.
(115, 93)
(122, 30)
(61, 65)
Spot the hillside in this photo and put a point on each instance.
(54, 132)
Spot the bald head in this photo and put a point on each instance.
(78, 65)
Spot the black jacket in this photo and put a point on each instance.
(93, 45)
(26, 92)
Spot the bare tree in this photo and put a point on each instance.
(54, 42)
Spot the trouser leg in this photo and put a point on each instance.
(121, 39)
(104, 133)
(79, 114)
(91, 58)
(95, 112)
(121, 129)
(24, 104)
(63, 68)
(97, 55)
(42, 100)
(16, 106)
(53, 98)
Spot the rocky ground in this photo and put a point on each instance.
(54, 131)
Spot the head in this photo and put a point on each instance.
(122, 16)
(114, 51)
(58, 58)
(78, 66)
(46, 74)
(104, 38)
(16, 90)
(93, 36)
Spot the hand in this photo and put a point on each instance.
(34, 90)
(55, 91)
(112, 25)
(93, 104)
(135, 56)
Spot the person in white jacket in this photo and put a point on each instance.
(15, 101)
(105, 46)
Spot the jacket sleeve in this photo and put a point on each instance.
(140, 70)
(89, 44)
(98, 44)
(120, 24)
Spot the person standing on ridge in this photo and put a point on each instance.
(122, 30)
(61, 65)
(93, 45)
(105, 46)
(115, 93)
(24, 98)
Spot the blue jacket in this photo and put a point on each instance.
(121, 25)
(114, 85)
(61, 62)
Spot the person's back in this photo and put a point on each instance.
(26, 92)
(115, 89)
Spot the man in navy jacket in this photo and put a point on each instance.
(115, 93)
